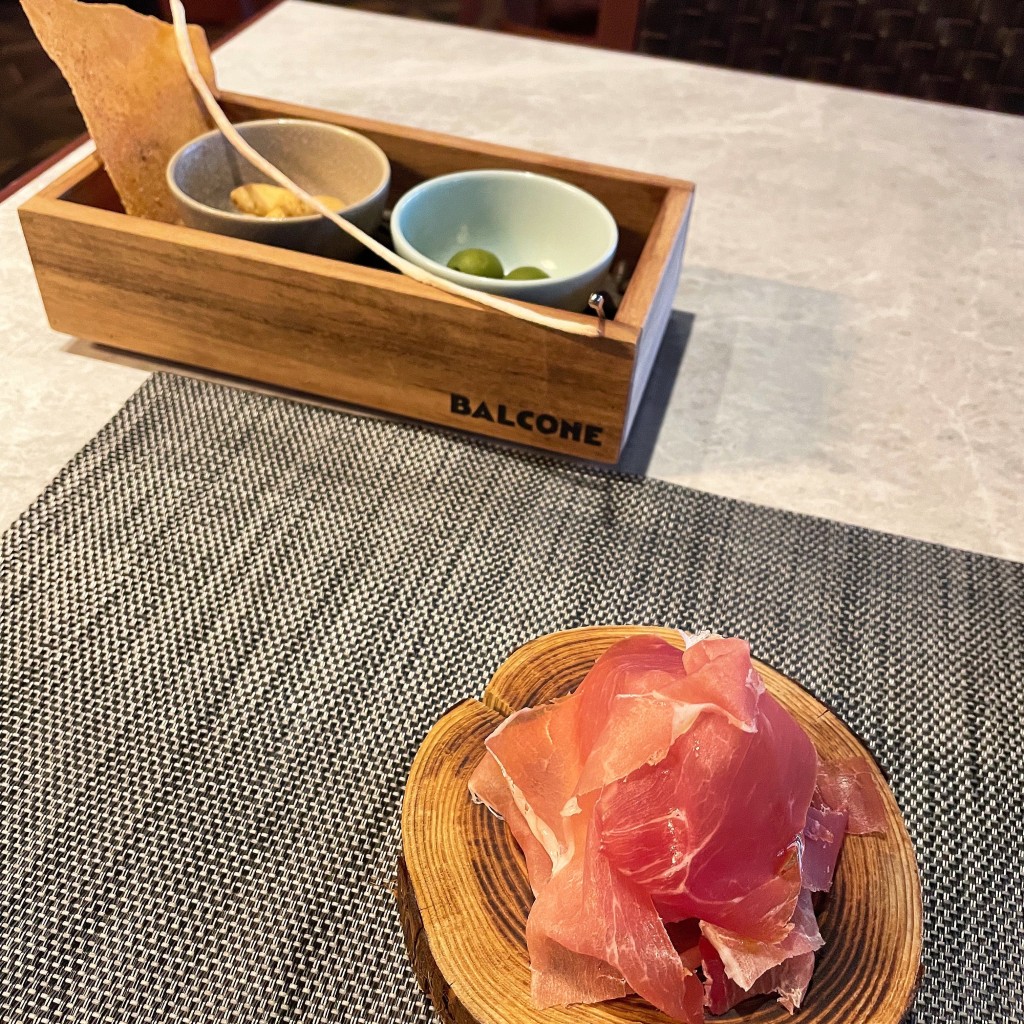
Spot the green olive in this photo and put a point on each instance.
(526, 274)
(478, 262)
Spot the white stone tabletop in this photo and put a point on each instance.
(849, 335)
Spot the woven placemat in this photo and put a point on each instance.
(226, 626)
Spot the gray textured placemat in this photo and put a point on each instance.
(228, 623)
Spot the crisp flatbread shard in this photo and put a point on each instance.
(132, 90)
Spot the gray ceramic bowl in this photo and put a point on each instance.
(322, 158)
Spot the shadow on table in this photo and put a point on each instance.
(781, 378)
(650, 416)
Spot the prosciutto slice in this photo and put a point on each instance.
(746, 960)
(643, 695)
(734, 862)
(849, 786)
(592, 910)
(665, 812)
(489, 786)
(823, 839)
(790, 980)
(638, 699)
(538, 751)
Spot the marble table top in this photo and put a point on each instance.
(849, 339)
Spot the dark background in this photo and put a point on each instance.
(969, 52)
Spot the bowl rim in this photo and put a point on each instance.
(474, 280)
(250, 218)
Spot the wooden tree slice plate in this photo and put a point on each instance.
(464, 895)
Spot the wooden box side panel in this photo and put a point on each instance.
(648, 301)
(333, 330)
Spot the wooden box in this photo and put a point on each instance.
(359, 334)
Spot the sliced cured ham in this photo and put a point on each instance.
(731, 862)
(823, 840)
(489, 786)
(685, 936)
(644, 694)
(849, 786)
(593, 910)
(665, 812)
(539, 752)
(790, 980)
(746, 960)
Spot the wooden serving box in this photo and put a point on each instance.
(359, 334)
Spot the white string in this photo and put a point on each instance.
(188, 59)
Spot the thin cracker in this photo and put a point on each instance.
(132, 90)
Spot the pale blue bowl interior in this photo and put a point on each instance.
(524, 219)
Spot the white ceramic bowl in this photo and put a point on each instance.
(322, 158)
(525, 219)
